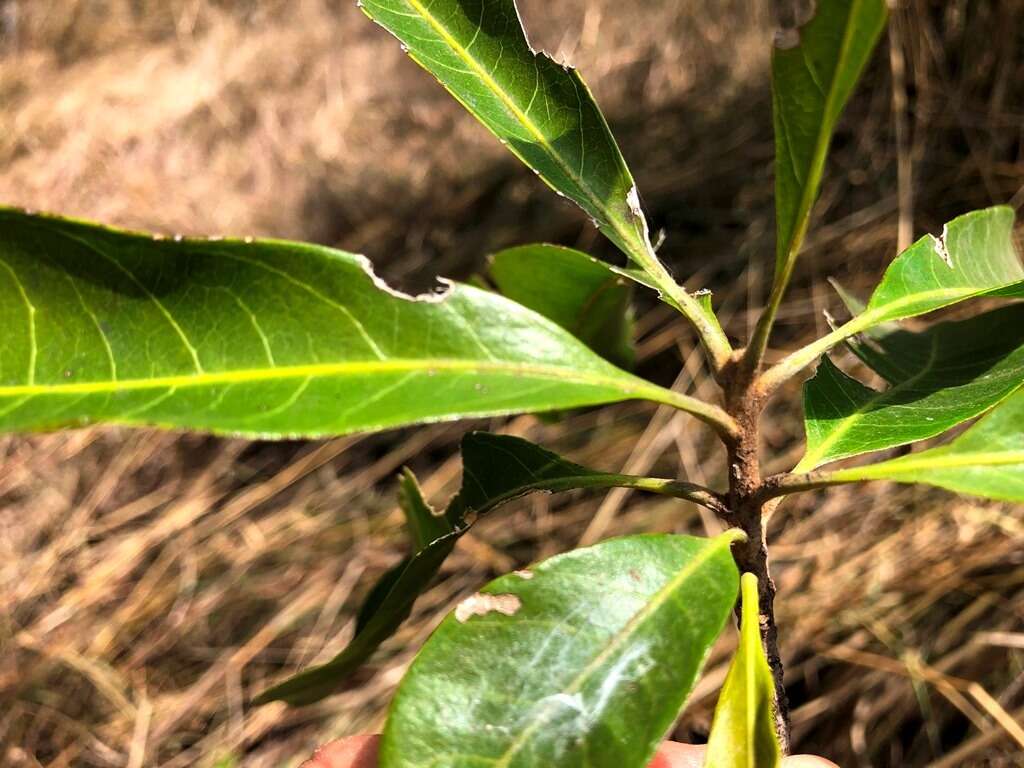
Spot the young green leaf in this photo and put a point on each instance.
(585, 659)
(267, 338)
(583, 295)
(495, 470)
(938, 378)
(814, 70)
(743, 731)
(987, 460)
(540, 109)
(544, 113)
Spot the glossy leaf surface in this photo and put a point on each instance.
(266, 338)
(938, 378)
(495, 469)
(583, 295)
(814, 70)
(541, 110)
(987, 460)
(743, 731)
(586, 659)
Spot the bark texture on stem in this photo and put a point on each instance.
(745, 512)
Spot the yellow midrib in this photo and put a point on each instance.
(948, 461)
(321, 370)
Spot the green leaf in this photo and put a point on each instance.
(267, 338)
(938, 378)
(814, 70)
(540, 109)
(586, 659)
(387, 605)
(580, 293)
(495, 470)
(974, 256)
(743, 732)
(987, 460)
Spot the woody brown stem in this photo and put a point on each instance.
(746, 506)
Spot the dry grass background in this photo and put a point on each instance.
(151, 582)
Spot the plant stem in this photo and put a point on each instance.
(746, 506)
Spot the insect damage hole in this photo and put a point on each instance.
(941, 247)
(481, 604)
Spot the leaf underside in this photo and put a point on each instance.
(938, 378)
(583, 295)
(267, 339)
(541, 110)
(496, 469)
(743, 731)
(987, 460)
(587, 659)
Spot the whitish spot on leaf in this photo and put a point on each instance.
(940, 247)
(481, 604)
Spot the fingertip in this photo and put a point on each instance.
(674, 755)
(353, 752)
(807, 761)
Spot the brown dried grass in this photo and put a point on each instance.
(152, 582)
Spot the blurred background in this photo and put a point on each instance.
(151, 583)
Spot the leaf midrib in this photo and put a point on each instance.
(323, 370)
(950, 460)
(616, 641)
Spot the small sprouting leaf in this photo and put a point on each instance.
(585, 659)
(743, 732)
(987, 460)
(814, 70)
(938, 378)
(583, 295)
(540, 109)
(267, 338)
(495, 470)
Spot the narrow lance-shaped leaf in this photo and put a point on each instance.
(584, 659)
(540, 109)
(743, 731)
(987, 460)
(938, 378)
(583, 295)
(266, 338)
(387, 605)
(814, 70)
(496, 469)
